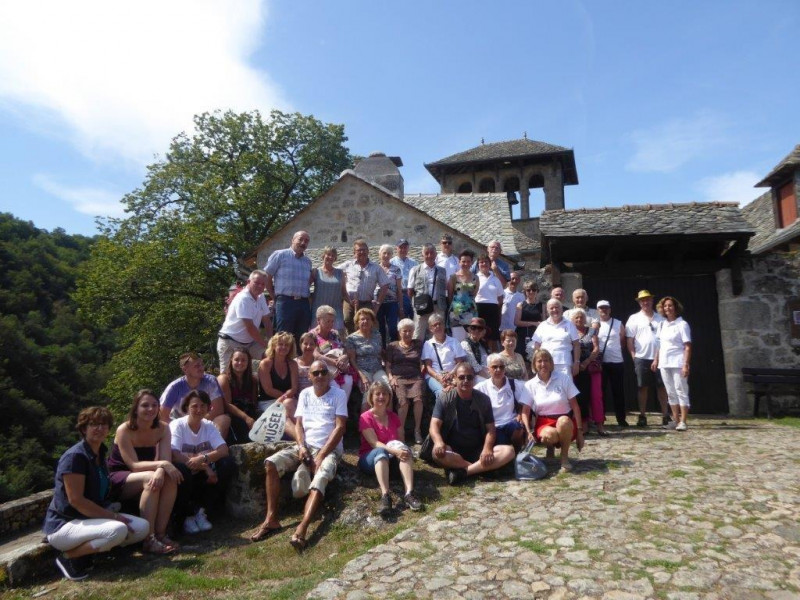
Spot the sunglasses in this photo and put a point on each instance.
(319, 373)
(466, 377)
(447, 243)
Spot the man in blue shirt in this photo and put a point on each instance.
(289, 284)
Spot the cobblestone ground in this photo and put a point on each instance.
(707, 514)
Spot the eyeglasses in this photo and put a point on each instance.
(447, 243)
(97, 425)
(466, 377)
(530, 291)
(319, 373)
(493, 367)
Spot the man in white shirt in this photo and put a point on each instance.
(405, 263)
(640, 331)
(508, 396)
(246, 313)
(580, 299)
(321, 420)
(445, 258)
(511, 297)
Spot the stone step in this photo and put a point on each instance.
(25, 557)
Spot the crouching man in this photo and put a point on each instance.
(463, 431)
(321, 419)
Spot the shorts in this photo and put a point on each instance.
(504, 432)
(409, 390)
(645, 377)
(550, 421)
(367, 462)
(288, 460)
(470, 454)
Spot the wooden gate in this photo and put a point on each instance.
(698, 294)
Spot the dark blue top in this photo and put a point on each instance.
(80, 460)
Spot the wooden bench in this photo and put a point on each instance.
(766, 381)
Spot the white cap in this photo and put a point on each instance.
(601, 303)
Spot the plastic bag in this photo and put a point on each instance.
(527, 467)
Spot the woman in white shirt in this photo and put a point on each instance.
(673, 358)
(559, 337)
(489, 300)
(558, 417)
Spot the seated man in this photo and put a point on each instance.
(194, 379)
(463, 431)
(511, 403)
(321, 419)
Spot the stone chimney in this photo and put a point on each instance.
(382, 170)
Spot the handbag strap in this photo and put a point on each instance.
(513, 386)
(439, 360)
(608, 335)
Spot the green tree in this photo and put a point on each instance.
(159, 276)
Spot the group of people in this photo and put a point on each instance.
(396, 329)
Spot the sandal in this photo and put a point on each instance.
(164, 539)
(263, 532)
(153, 545)
(298, 543)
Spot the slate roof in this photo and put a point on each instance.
(781, 172)
(646, 219)
(760, 214)
(483, 217)
(496, 150)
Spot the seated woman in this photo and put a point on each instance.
(441, 355)
(382, 436)
(79, 522)
(240, 393)
(475, 348)
(308, 343)
(515, 364)
(277, 377)
(140, 466)
(404, 368)
(330, 349)
(365, 351)
(558, 417)
(198, 445)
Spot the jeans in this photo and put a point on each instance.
(367, 462)
(292, 316)
(387, 322)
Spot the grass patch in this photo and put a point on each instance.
(660, 563)
(647, 515)
(447, 515)
(634, 481)
(786, 421)
(534, 546)
(677, 473)
(699, 462)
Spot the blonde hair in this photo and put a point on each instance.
(373, 389)
(273, 344)
(365, 311)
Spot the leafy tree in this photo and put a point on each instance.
(51, 360)
(159, 276)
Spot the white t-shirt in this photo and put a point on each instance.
(190, 443)
(643, 331)
(448, 351)
(319, 414)
(448, 263)
(510, 301)
(557, 339)
(244, 306)
(503, 399)
(553, 397)
(490, 288)
(613, 349)
(672, 335)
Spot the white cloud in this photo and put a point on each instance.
(736, 186)
(121, 79)
(666, 147)
(87, 200)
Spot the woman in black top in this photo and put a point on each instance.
(529, 315)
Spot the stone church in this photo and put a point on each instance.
(735, 270)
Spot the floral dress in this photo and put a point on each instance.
(463, 308)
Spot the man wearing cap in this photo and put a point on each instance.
(363, 276)
(427, 278)
(498, 266)
(640, 331)
(611, 341)
(405, 263)
(246, 313)
(288, 282)
(321, 421)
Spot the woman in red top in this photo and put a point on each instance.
(382, 437)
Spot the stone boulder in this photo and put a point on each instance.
(245, 498)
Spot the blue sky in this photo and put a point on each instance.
(661, 102)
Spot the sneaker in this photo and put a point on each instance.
(412, 501)
(641, 421)
(190, 526)
(665, 420)
(71, 568)
(455, 476)
(417, 437)
(385, 505)
(681, 426)
(670, 425)
(203, 524)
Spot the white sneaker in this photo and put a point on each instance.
(681, 426)
(190, 526)
(202, 520)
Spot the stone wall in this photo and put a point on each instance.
(353, 209)
(24, 512)
(755, 325)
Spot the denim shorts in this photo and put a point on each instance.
(505, 432)
(367, 462)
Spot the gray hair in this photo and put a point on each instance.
(435, 318)
(405, 324)
(495, 357)
(325, 310)
(428, 246)
(554, 301)
(577, 311)
(386, 247)
(256, 273)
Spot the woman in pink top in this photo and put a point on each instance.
(382, 438)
